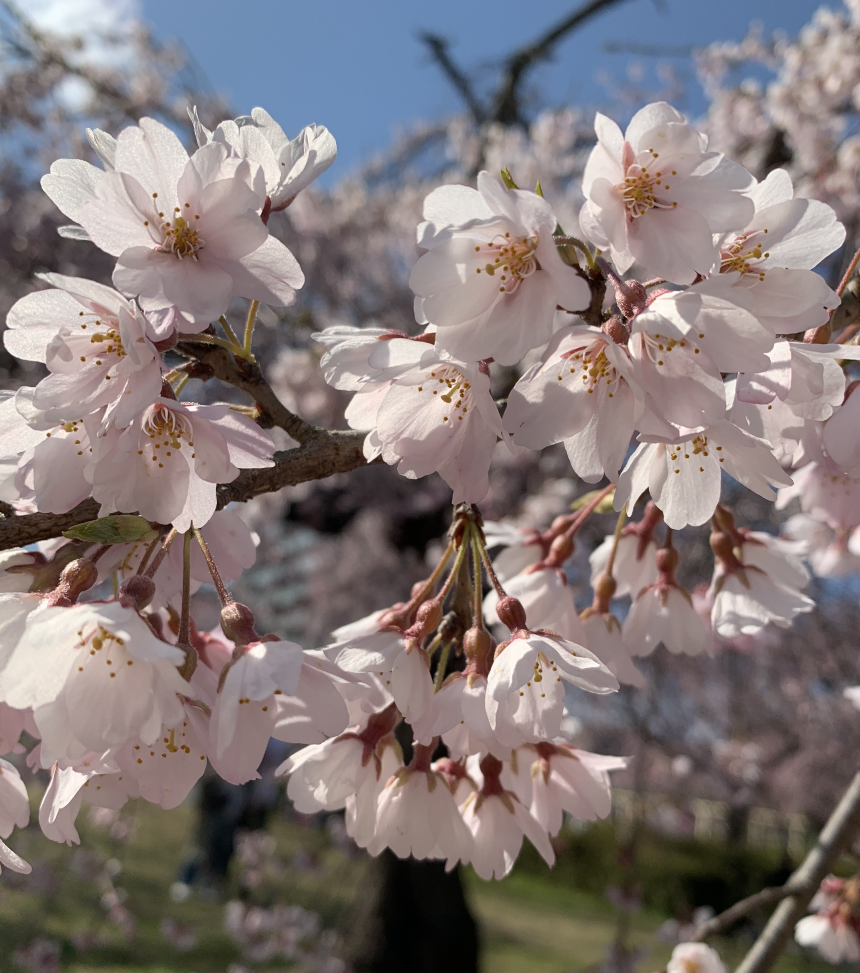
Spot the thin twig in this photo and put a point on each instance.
(439, 51)
(506, 106)
(740, 910)
(840, 830)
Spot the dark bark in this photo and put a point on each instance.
(414, 918)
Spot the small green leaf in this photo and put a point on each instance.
(538, 190)
(118, 529)
(508, 179)
(604, 507)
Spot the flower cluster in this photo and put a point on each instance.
(440, 726)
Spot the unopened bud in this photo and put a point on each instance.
(427, 618)
(511, 613)
(561, 549)
(614, 329)
(604, 589)
(630, 298)
(667, 560)
(478, 645)
(721, 545)
(166, 344)
(818, 336)
(237, 623)
(136, 592)
(78, 576)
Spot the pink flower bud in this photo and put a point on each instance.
(511, 613)
(237, 623)
(137, 592)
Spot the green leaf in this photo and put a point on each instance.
(508, 179)
(604, 507)
(538, 190)
(118, 529)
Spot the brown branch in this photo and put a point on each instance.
(325, 454)
(740, 910)
(506, 107)
(840, 830)
(439, 51)
(249, 378)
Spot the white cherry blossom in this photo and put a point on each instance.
(695, 958)
(185, 231)
(775, 252)
(492, 276)
(94, 675)
(581, 393)
(684, 477)
(289, 165)
(168, 461)
(655, 195)
(97, 346)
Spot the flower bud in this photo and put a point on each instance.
(614, 329)
(237, 623)
(427, 618)
(604, 589)
(511, 613)
(136, 592)
(721, 545)
(630, 297)
(818, 336)
(478, 645)
(560, 550)
(667, 560)
(77, 577)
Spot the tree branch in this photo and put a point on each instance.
(841, 828)
(439, 51)
(740, 910)
(249, 378)
(325, 454)
(506, 104)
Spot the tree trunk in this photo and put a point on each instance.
(413, 919)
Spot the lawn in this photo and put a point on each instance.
(528, 925)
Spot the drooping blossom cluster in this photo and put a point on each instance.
(439, 726)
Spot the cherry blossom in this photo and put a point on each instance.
(95, 343)
(581, 393)
(185, 231)
(775, 252)
(289, 165)
(684, 477)
(437, 415)
(174, 480)
(498, 822)
(655, 195)
(94, 675)
(695, 958)
(756, 580)
(492, 276)
(525, 687)
(556, 778)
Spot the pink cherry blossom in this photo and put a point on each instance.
(492, 276)
(168, 461)
(185, 231)
(655, 195)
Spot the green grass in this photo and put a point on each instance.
(528, 923)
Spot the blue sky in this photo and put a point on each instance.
(358, 68)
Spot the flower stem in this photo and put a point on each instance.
(588, 510)
(491, 573)
(160, 556)
(223, 593)
(231, 334)
(478, 582)
(572, 241)
(619, 526)
(147, 554)
(211, 339)
(849, 273)
(249, 331)
(455, 570)
(184, 633)
(441, 666)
